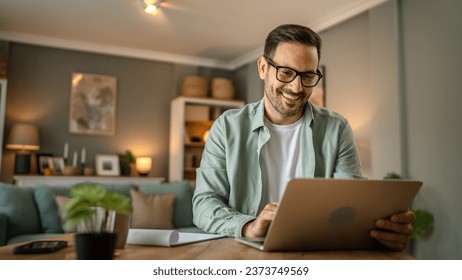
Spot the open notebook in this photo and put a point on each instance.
(166, 238)
(317, 214)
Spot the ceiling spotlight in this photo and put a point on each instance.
(152, 6)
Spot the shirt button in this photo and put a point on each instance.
(252, 211)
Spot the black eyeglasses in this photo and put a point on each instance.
(287, 75)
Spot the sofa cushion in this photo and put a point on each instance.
(152, 211)
(18, 204)
(182, 213)
(48, 209)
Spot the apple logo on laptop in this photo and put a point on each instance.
(342, 216)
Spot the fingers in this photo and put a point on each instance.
(391, 240)
(403, 228)
(269, 211)
(394, 233)
(406, 217)
(259, 227)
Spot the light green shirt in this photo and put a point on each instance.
(229, 181)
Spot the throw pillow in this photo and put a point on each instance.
(182, 213)
(152, 211)
(48, 209)
(60, 202)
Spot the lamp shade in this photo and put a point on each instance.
(143, 165)
(23, 137)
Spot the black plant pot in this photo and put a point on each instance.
(95, 246)
(124, 166)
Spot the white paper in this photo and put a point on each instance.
(187, 237)
(166, 238)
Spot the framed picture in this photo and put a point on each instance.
(107, 165)
(56, 164)
(318, 97)
(93, 104)
(42, 161)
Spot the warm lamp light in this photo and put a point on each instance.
(152, 6)
(143, 165)
(205, 136)
(151, 9)
(23, 138)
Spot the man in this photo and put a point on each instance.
(251, 153)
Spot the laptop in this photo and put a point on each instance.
(333, 214)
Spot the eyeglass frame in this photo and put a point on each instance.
(297, 73)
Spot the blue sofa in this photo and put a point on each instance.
(31, 213)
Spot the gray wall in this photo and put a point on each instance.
(38, 92)
(360, 58)
(432, 68)
(249, 82)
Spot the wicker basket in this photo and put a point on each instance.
(222, 88)
(194, 86)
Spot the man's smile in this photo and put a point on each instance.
(290, 96)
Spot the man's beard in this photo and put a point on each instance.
(278, 99)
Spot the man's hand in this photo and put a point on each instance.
(259, 227)
(394, 233)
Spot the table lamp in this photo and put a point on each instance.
(23, 138)
(143, 165)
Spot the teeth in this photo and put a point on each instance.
(291, 97)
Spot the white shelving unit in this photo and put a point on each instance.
(189, 118)
(3, 84)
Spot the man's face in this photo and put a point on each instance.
(284, 102)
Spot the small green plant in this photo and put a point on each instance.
(423, 222)
(424, 219)
(392, 175)
(87, 198)
(129, 156)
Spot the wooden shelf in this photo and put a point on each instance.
(195, 145)
(190, 169)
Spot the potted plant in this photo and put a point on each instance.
(92, 208)
(127, 162)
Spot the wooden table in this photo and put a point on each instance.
(220, 249)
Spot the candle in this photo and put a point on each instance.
(66, 150)
(74, 159)
(82, 160)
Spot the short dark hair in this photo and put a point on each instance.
(291, 33)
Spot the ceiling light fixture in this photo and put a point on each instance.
(152, 6)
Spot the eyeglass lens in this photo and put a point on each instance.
(287, 75)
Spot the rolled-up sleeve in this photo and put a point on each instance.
(347, 163)
(211, 209)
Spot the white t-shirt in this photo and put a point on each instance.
(280, 160)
